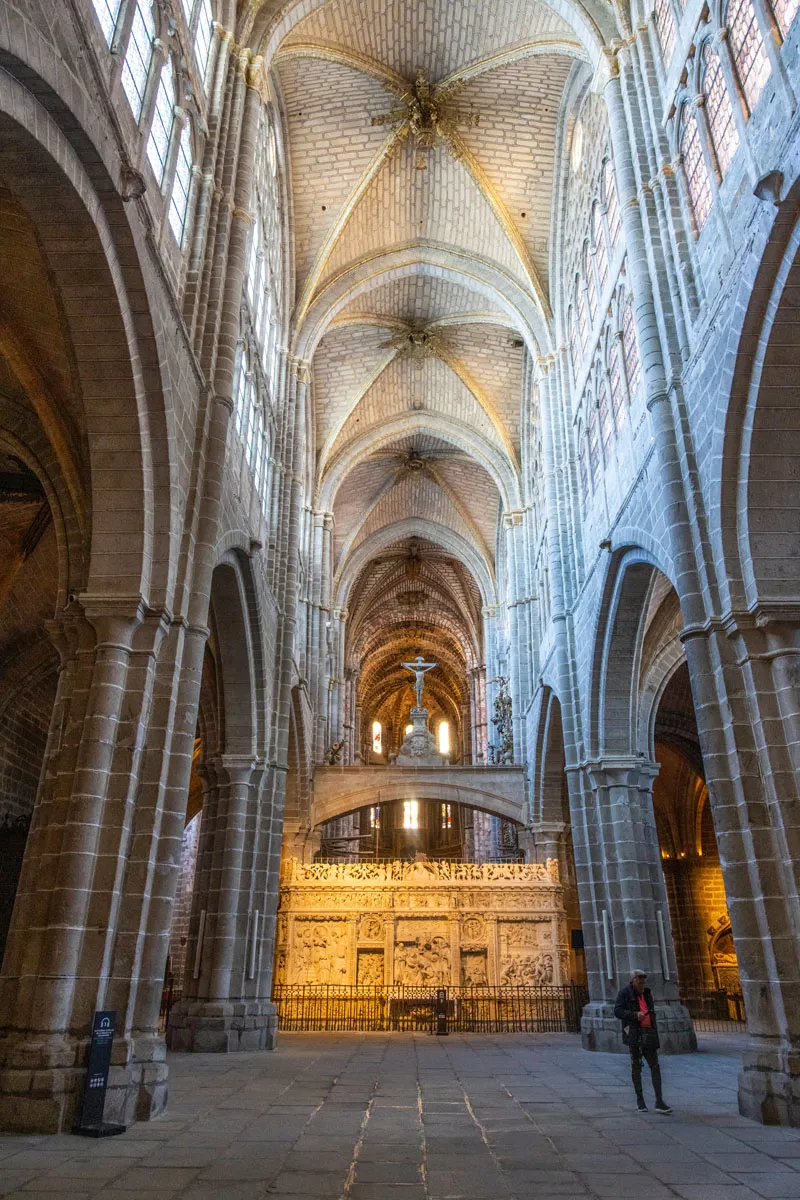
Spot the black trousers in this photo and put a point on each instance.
(645, 1047)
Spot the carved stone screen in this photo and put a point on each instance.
(428, 924)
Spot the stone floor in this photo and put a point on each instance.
(410, 1117)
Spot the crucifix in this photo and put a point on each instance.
(419, 667)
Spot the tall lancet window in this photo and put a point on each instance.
(377, 738)
(444, 737)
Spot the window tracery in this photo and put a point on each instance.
(162, 124)
(108, 15)
(719, 110)
(630, 346)
(695, 170)
(600, 248)
(611, 201)
(615, 385)
(748, 50)
(138, 56)
(665, 29)
(785, 13)
(182, 185)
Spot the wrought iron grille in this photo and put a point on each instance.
(716, 1011)
(338, 1008)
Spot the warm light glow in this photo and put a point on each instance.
(447, 815)
(411, 814)
(375, 817)
(444, 737)
(408, 729)
(377, 737)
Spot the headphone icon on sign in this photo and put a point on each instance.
(105, 1023)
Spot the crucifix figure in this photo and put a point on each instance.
(419, 667)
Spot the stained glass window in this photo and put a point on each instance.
(612, 202)
(600, 248)
(695, 170)
(724, 133)
(161, 125)
(107, 14)
(377, 737)
(748, 49)
(179, 201)
(665, 28)
(444, 743)
(785, 13)
(447, 809)
(411, 814)
(138, 55)
(615, 385)
(630, 346)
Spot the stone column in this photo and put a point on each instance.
(66, 917)
(746, 686)
(632, 927)
(216, 1013)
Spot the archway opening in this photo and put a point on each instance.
(704, 950)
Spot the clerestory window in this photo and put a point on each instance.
(162, 124)
(182, 184)
(138, 56)
(108, 15)
(747, 47)
(721, 123)
(695, 170)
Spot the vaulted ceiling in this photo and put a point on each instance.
(422, 146)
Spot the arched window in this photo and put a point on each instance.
(747, 47)
(107, 14)
(182, 184)
(580, 307)
(606, 428)
(162, 123)
(591, 283)
(264, 271)
(615, 385)
(665, 28)
(377, 738)
(695, 170)
(594, 448)
(724, 133)
(600, 248)
(630, 347)
(138, 55)
(611, 202)
(447, 812)
(574, 345)
(411, 814)
(785, 13)
(582, 463)
(444, 737)
(203, 33)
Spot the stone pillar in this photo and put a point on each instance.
(66, 918)
(746, 687)
(631, 925)
(216, 1013)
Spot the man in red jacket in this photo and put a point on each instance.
(634, 1008)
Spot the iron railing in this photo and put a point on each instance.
(716, 1010)
(336, 1008)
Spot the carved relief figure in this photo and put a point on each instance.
(529, 971)
(473, 930)
(423, 963)
(473, 968)
(370, 968)
(320, 952)
(371, 929)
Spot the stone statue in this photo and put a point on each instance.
(419, 667)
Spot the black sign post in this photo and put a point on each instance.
(441, 1012)
(91, 1123)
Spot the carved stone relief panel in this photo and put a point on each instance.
(372, 929)
(526, 953)
(474, 968)
(370, 968)
(319, 954)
